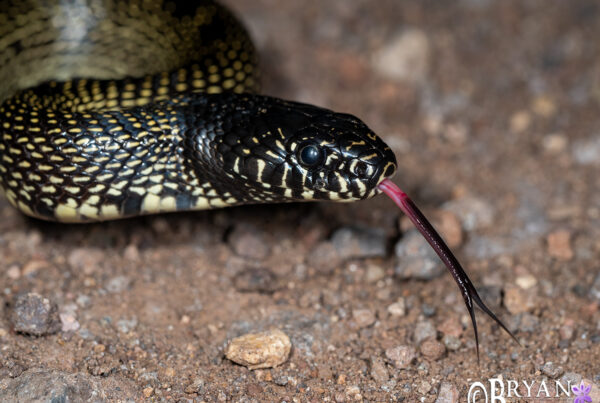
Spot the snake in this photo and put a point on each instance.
(120, 108)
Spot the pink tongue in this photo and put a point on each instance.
(467, 288)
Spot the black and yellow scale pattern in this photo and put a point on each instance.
(112, 109)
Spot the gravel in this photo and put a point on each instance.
(447, 393)
(259, 280)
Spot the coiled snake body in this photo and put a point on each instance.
(120, 108)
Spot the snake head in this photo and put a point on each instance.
(288, 151)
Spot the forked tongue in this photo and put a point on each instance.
(467, 289)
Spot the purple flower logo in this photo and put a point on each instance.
(582, 393)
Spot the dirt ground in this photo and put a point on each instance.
(492, 110)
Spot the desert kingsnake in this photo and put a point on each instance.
(120, 108)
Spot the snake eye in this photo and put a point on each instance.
(310, 155)
(360, 168)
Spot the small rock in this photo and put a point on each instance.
(117, 284)
(259, 350)
(424, 388)
(401, 356)
(555, 143)
(354, 242)
(447, 393)
(472, 212)
(35, 315)
(448, 224)
(520, 121)
(398, 308)
(586, 151)
(148, 392)
(248, 241)
(529, 323)
(416, 259)
(552, 370)
(69, 322)
(595, 289)
(379, 372)
(256, 280)
(451, 326)
(197, 386)
(404, 58)
(424, 330)
(526, 281)
(491, 295)
(353, 392)
(567, 330)
(86, 259)
(571, 377)
(518, 300)
(13, 272)
(452, 343)
(324, 257)
(559, 245)
(544, 106)
(363, 317)
(127, 325)
(374, 273)
(433, 349)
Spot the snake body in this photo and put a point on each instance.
(111, 109)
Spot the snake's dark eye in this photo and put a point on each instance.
(310, 155)
(360, 169)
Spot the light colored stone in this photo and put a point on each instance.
(404, 58)
(260, 350)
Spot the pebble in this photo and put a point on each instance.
(520, 121)
(259, 280)
(148, 392)
(452, 343)
(69, 322)
(552, 370)
(544, 106)
(117, 284)
(447, 393)
(401, 356)
(518, 300)
(448, 224)
(374, 273)
(248, 241)
(404, 58)
(126, 325)
(354, 242)
(567, 330)
(379, 371)
(363, 317)
(529, 323)
(416, 259)
(259, 350)
(451, 326)
(526, 281)
(555, 143)
(594, 292)
(472, 212)
(424, 388)
(35, 315)
(398, 308)
(572, 377)
(324, 257)
(424, 330)
(433, 349)
(86, 259)
(587, 151)
(559, 245)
